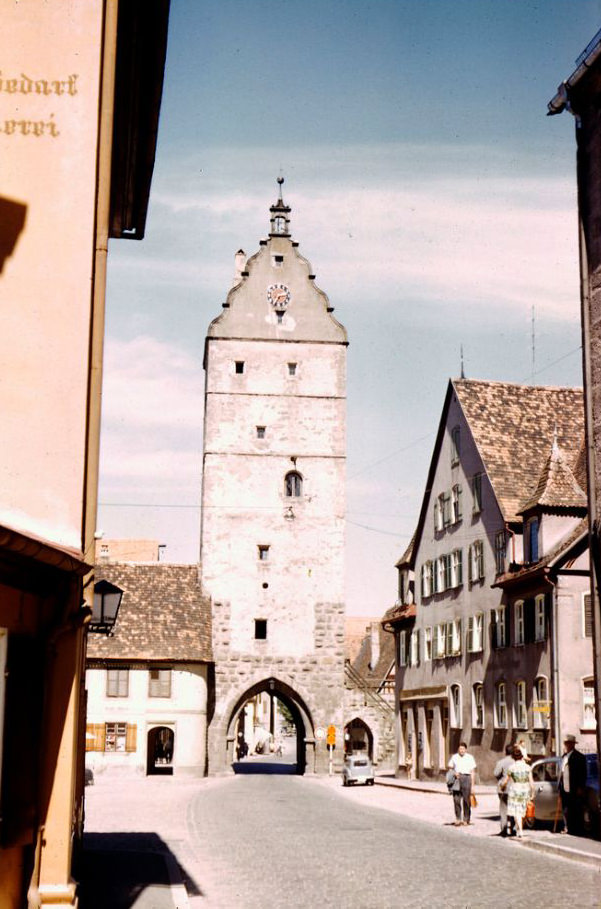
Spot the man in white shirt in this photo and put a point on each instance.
(464, 767)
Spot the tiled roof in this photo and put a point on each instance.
(513, 427)
(378, 673)
(407, 556)
(399, 612)
(557, 486)
(163, 614)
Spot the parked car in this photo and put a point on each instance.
(547, 808)
(357, 769)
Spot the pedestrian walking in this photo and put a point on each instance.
(463, 765)
(572, 787)
(520, 789)
(500, 773)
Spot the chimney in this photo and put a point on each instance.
(375, 644)
(239, 265)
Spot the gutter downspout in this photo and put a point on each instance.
(555, 670)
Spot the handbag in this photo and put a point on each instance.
(473, 801)
(530, 810)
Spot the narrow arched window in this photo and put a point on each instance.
(293, 485)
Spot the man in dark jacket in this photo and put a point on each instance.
(572, 787)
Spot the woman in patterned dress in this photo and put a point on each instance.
(520, 789)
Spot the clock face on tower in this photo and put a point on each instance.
(278, 295)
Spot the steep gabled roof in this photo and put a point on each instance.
(557, 487)
(407, 557)
(163, 614)
(513, 427)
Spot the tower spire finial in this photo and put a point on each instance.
(280, 213)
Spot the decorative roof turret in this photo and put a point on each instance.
(557, 487)
(280, 220)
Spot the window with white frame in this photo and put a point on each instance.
(500, 551)
(115, 737)
(540, 618)
(426, 579)
(478, 705)
(414, 648)
(457, 568)
(402, 648)
(448, 578)
(540, 703)
(500, 711)
(456, 503)
(453, 642)
(455, 705)
(475, 633)
(117, 683)
(499, 623)
(440, 641)
(455, 445)
(447, 516)
(589, 716)
(587, 616)
(476, 561)
(427, 644)
(477, 493)
(440, 575)
(520, 714)
(518, 623)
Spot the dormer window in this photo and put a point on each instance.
(277, 261)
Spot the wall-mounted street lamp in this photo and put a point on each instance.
(107, 599)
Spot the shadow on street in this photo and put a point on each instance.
(120, 870)
(258, 766)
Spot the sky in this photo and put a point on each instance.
(432, 195)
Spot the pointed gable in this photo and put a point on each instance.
(513, 427)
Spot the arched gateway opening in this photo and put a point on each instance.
(159, 751)
(358, 738)
(269, 730)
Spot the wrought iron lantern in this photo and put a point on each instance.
(107, 599)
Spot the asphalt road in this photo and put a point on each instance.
(287, 842)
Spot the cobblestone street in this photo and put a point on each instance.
(253, 841)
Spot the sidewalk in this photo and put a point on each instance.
(486, 819)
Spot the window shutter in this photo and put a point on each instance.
(95, 737)
(130, 737)
(470, 563)
(588, 616)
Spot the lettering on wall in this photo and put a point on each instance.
(26, 85)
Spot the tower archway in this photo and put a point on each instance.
(358, 737)
(263, 735)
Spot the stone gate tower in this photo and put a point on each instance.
(273, 499)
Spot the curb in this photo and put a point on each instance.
(565, 852)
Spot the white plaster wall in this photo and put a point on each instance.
(185, 712)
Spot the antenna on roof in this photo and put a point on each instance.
(533, 344)
(462, 369)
